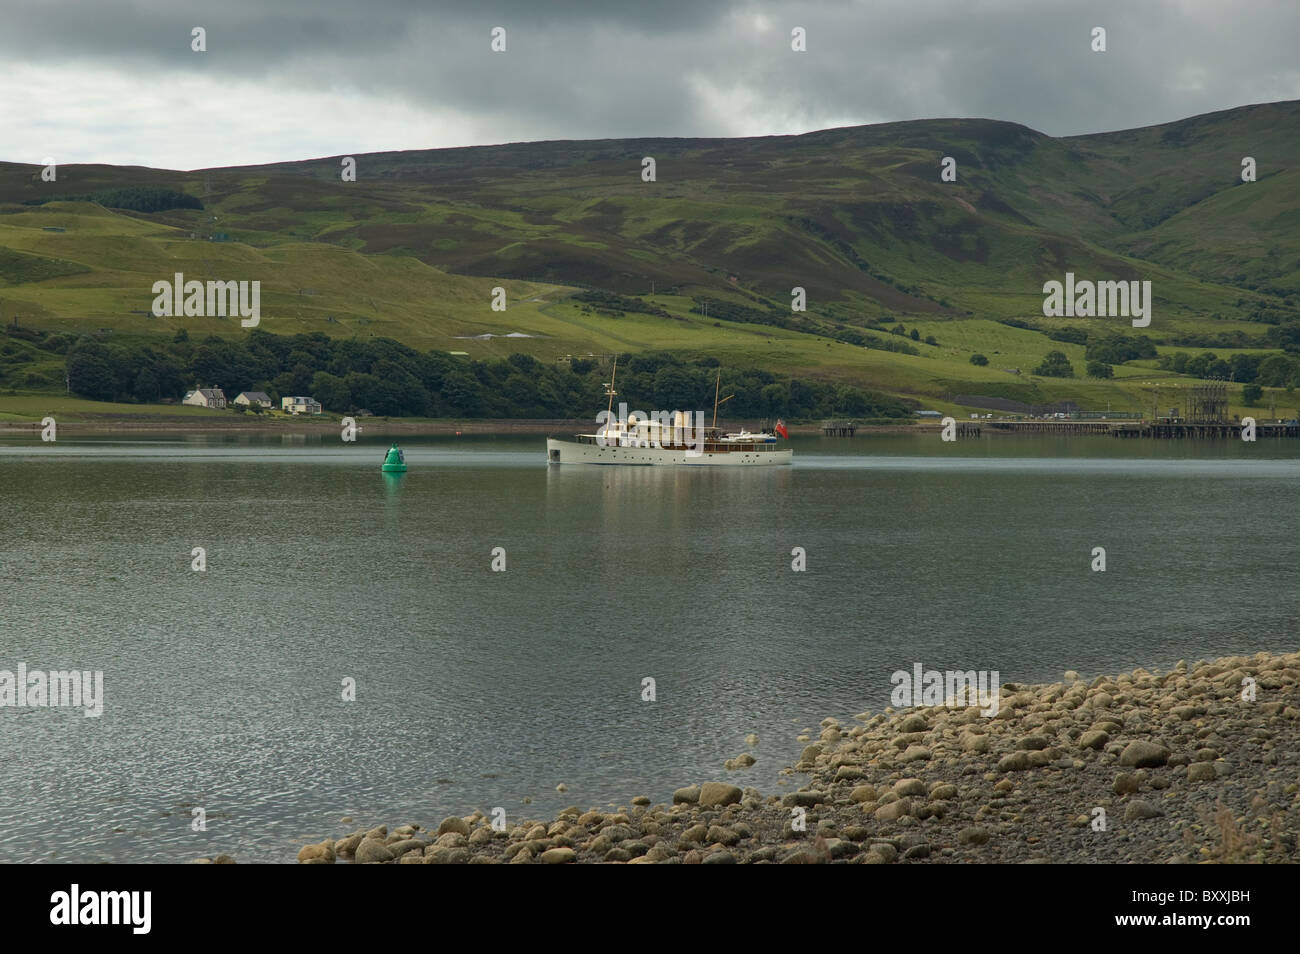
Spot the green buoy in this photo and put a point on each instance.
(395, 462)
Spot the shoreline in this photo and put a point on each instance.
(1143, 767)
(383, 426)
(302, 425)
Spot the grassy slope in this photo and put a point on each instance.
(857, 216)
(25, 407)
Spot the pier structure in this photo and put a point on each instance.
(1053, 426)
(1177, 429)
(1208, 404)
(839, 428)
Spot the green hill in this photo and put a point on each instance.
(703, 260)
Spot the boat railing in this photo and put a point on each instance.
(711, 445)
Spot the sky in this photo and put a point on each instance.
(118, 81)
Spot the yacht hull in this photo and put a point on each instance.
(570, 452)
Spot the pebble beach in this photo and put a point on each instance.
(1198, 764)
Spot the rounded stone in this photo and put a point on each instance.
(1143, 754)
(454, 823)
(372, 851)
(913, 723)
(718, 793)
(894, 810)
(909, 786)
(690, 795)
(1125, 784)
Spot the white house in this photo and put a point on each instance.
(205, 397)
(300, 405)
(253, 397)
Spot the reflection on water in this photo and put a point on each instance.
(392, 487)
(222, 688)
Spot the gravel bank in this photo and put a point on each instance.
(1178, 767)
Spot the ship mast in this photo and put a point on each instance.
(609, 389)
(716, 384)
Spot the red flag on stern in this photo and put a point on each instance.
(780, 429)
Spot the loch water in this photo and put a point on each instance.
(478, 688)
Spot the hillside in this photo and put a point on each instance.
(856, 216)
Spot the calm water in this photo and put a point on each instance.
(478, 689)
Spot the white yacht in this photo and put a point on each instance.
(650, 441)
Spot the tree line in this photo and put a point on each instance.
(387, 378)
(134, 198)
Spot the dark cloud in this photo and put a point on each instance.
(682, 67)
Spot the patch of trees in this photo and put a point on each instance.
(1278, 371)
(29, 358)
(662, 381)
(730, 311)
(1068, 335)
(1273, 314)
(1240, 367)
(978, 360)
(388, 378)
(1223, 339)
(112, 372)
(1286, 337)
(611, 302)
(1055, 365)
(902, 346)
(135, 199)
(1244, 367)
(1116, 349)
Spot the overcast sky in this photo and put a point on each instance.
(117, 82)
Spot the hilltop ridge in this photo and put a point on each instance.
(704, 258)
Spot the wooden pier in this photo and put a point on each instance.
(1159, 429)
(1151, 430)
(1054, 427)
